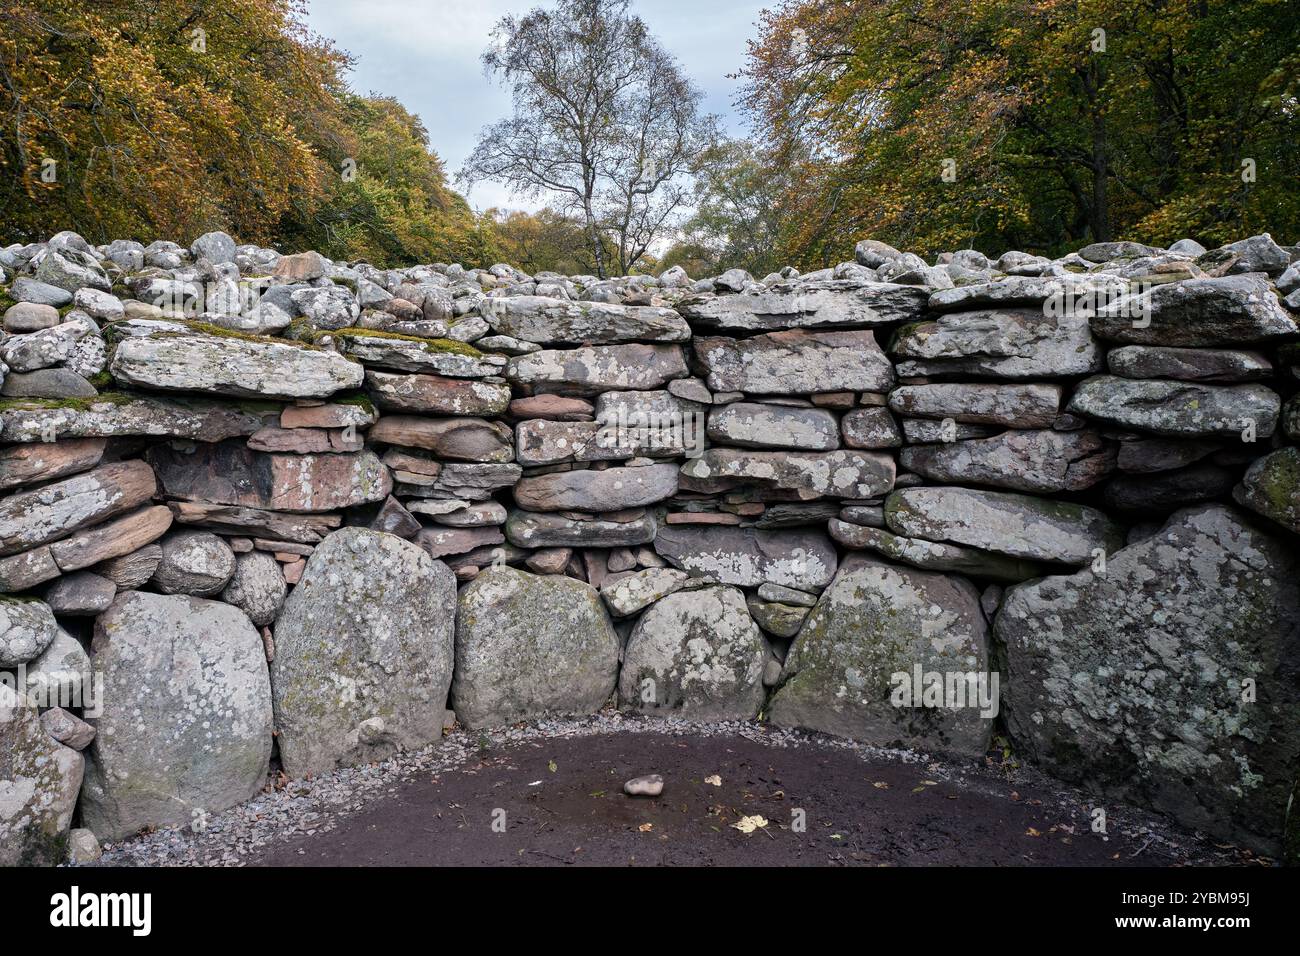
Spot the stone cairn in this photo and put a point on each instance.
(241, 492)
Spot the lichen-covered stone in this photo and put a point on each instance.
(795, 363)
(611, 489)
(1186, 409)
(747, 557)
(232, 365)
(365, 635)
(933, 555)
(1231, 310)
(531, 529)
(999, 343)
(754, 425)
(531, 645)
(194, 562)
(629, 593)
(113, 415)
(27, 627)
(53, 511)
(230, 473)
(874, 621)
(1021, 526)
(547, 321)
(39, 780)
(808, 304)
(1271, 486)
(437, 394)
(257, 587)
(184, 728)
(1035, 460)
(696, 654)
(845, 473)
(598, 368)
(45, 461)
(1169, 678)
(1013, 406)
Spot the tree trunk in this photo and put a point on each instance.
(1099, 212)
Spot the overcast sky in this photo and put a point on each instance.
(426, 53)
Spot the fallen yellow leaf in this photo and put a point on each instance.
(749, 824)
(715, 780)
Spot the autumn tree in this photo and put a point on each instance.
(166, 118)
(604, 123)
(391, 202)
(1038, 124)
(738, 219)
(161, 117)
(544, 241)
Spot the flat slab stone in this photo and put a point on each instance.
(1180, 409)
(1230, 310)
(232, 519)
(1011, 291)
(817, 304)
(933, 555)
(528, 529)
(548, 321)
(230, 473)
(1188, 365)
(437, 394)
(53, 511)
(465, 439)
(1020, 526)
(747, 557)
(113, 539)
(226, 365)
(998, 343)
(756, 425)
(411, 354)
(1013, 406)
(606, 490)
(45, 461)
(120, 414)
(846, 473)
(795, 363)
(589, 371)
(1035, 460)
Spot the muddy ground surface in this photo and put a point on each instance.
(558, 801)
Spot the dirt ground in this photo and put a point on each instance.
(561, 802)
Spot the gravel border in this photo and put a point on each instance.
(316, 805)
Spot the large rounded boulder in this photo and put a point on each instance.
(1170, 678)
(892, 656)
(363, 653)
(529, 645)
(183, 724)
(697, 654)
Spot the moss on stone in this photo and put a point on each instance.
(429, 345)
(217, 331)
(75, 404)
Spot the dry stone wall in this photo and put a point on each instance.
(262, 510)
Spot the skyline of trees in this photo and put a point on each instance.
(1032, 124)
